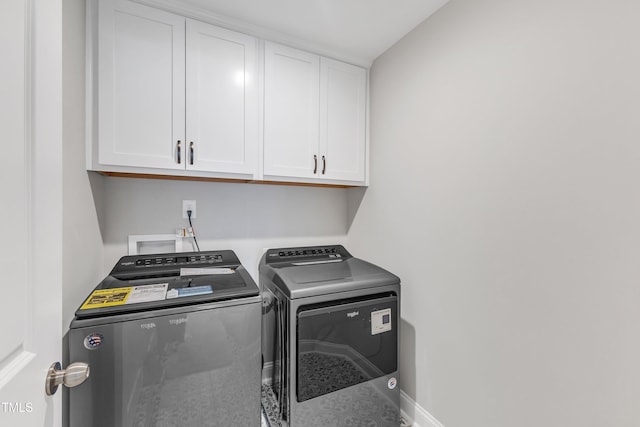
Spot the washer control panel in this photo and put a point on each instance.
(132, 266)
(181, 260)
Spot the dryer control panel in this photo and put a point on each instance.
(308, 254)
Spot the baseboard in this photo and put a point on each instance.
(415, 413)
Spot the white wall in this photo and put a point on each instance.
(246, 218)
(82, 242)
(504, 191)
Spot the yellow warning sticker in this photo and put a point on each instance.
(106, 298)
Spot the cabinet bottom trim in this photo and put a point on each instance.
(231, 180)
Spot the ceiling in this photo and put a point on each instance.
(356, 29)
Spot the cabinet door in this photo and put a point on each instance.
(343, 98)
(221, 104)
(141, 86)
(290, 112)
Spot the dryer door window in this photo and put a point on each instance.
(344, 343)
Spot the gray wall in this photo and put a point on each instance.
(504, 192)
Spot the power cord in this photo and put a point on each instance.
(193, 232)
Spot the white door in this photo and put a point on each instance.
(291, 112)
(222, 100)
(31, 209)
(141, 86)
(343, 109)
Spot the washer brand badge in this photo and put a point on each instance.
(178, 321)
(392, 383)
(353, 314)
(148, 325)
(127, 263)
(93, 341)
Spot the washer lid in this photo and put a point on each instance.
(168, 280)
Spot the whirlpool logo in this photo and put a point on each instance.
(353, 314)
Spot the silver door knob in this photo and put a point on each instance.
(74, 375)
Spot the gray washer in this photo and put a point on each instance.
(192, 360)
(330, 337)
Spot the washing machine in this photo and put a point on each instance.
(170, 340)
(330, 338)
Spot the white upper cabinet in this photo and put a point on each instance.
(174, 93)
(314, 117)
(343, 105)
(222, 101)
(291, 108)
(170, 95)
(140, 86)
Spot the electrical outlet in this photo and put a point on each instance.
(188, 205)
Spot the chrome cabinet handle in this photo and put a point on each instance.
(324, 165)
(73, 376)
(179, 152)
(315, 164)
(191, 152)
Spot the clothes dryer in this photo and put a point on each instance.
(330, 337)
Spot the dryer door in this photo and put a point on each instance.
(346, 342)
